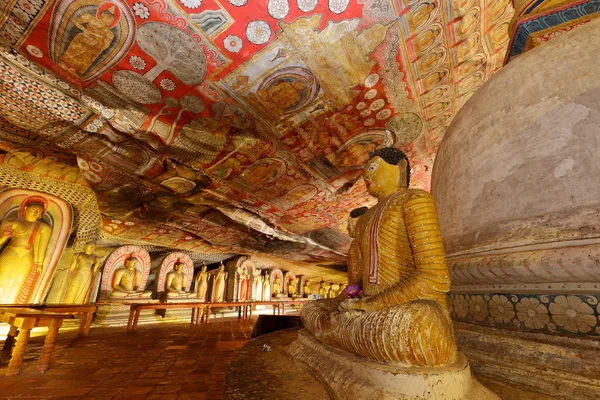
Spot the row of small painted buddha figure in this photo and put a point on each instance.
(126, 282)
(330, 292)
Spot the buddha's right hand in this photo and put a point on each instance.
(38, 268)
(351, 306)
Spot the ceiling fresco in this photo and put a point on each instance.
(236, 126)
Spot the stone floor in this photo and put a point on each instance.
(160, 361)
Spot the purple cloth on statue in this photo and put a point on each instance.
(353, 291)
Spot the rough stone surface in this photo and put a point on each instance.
(350, 377)
(271, 375)
(519, 164)
(555, 366)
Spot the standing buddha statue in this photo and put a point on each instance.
(202, 283)
(22, 258)
(220, 283)
(323, 290)
(84, 266)
(293, 287)
(266, 289)
(331, 293)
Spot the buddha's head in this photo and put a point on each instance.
(203, 269)
(131, 263)
(386, 172)
(89, 248)
(107, 17)
(34, 211)
(353, 220)
(178, 266)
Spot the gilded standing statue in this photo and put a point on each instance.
(84, 266)
(398, 256)
(25, 241)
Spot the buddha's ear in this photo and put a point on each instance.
(402, 175)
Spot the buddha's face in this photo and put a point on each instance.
(131, 264)
(90, 248)
(204, 268)
(222, 268)
(178, 267)
(352, 226)
(380, 177)
(107, 18)
(34, 212)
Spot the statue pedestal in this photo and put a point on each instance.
(348, 376)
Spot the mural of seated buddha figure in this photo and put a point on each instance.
(176, 281)
(126, 281)
(401, 315)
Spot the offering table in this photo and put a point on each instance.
(135, 310)
(25, 319)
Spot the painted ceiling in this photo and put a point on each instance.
(236, 126)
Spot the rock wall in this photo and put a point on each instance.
(518, 196)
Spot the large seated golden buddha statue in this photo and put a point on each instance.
(397, 259)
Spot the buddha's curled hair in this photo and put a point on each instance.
(357, 212)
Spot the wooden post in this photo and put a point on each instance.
(88, 323)
(138, 311)
(132, 309)
(10, 339)
(44, 362)
(14, 366)
(207, 314)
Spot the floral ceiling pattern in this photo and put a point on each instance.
(236, 126)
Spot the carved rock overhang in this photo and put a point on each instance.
(234, 127)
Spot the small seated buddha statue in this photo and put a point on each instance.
(126, 281)
(176, 281)
(277, 287)
(400, 314)
(293, 287)
(307, 291)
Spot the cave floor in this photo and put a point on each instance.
(157, 361)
